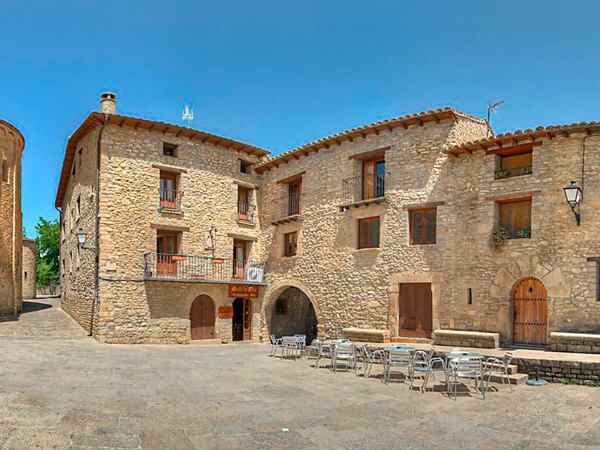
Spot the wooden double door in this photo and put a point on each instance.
(530, 311)
(202, 318)
(415, 310)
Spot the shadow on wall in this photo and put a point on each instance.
(293, 313)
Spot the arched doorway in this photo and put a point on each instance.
(293, 313)
(202, 318)
(530, 308)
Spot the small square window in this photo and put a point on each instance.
(80, 157)
(423, 226)
(368, 232)
(169, 149)
(245, 166)
(290, 244)
(469, 296)
(5, 171)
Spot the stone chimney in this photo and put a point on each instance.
(108, 103)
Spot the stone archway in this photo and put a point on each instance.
(290, 308)
(507, 277)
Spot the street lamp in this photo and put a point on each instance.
(81, 235)
(574, 195)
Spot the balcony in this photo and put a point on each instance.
(361, 191)
(287, 208)
(170, 200)
(500, 174)
(245, 213)
(207, 269)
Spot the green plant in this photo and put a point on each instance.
(502, 173)
(524, 233)
(569, 382)
(47, 257)
(499, 236)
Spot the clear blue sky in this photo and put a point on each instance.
(278, 74)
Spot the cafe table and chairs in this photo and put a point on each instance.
(466, 365)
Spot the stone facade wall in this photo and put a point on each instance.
(557, 371)
(11, 226)
(29, 272)
(131, 309)
(78, 265)
(575, 342)
(556, 253)
(352, 286)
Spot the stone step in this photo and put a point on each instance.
(409, 340)
(516, 378)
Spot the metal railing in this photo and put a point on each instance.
(361, 188)
(512, 172)
(170, 200)
(245, 212)
(163, 266)
(288, 205)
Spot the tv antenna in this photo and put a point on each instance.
(188, 116)
(492, 107)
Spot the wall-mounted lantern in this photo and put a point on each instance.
(574, 195)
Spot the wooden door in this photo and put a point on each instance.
(530, 307)
(242, 319)
(247, 319)
(243, 204)
(202, 317)
(168, 190)
(415, 313)
(167, 245)
(368, 185)
(239, 259)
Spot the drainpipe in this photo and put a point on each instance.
(96, 298)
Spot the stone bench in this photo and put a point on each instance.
(459, 338)
(366, 335)
(574, 342)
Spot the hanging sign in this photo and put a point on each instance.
(225, 312)
(243, 291)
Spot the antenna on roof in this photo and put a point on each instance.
(188, 116)
(492, 107)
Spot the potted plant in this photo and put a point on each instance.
(499, 236)
(524, 233)
(502, 173)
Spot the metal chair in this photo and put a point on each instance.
(289, 346)
(466, 366)
(398, 357)
(496, 366)
(344, 352)
(275, 344)
(301, 343)
(367, 358)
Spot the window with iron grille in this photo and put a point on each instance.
(290, 243)
(423, 226)
(368, 232)
(281, 306)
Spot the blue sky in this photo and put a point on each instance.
(278, 74)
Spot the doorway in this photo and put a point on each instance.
(240, 254)
(415, 310)
(167, 246)
(242, 319)
(202, 318)
(530, 308)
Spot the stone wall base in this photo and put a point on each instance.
(366, 335)
(459, 338)
(578, 372)
(575, 342)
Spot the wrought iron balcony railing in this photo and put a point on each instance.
(175, 267)
(512, 172)
(288, 205)
(170, 200)
(245, 212)
(361, 188)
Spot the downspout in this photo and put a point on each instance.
(96, 298)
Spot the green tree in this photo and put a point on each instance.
(47, 258)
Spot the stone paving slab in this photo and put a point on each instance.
(73, 392)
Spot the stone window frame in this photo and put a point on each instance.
(170, 147)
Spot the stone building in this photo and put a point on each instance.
(29, 268)
(380, 232)
(11, 226)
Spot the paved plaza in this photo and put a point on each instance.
(61, 389)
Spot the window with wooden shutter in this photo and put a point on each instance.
(290, 244)
(423, 226)
(515, 217)
(368, 232)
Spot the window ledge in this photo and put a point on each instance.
(246, 223)
(360, 203)
(367, 249)
(173, 212)
(287, 219)
(512, 177)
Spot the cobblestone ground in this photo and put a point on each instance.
(60, 389)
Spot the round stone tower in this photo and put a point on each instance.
(11, 224)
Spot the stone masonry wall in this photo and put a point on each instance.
(131, 309)
(78, 264)
(352, 286)
(29, 274)
(11, 148)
